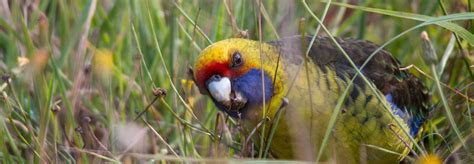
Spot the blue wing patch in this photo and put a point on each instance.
(414, 122)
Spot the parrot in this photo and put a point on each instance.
(297, 92)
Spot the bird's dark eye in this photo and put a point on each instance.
(237, 59)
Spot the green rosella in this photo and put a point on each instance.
(242, 76)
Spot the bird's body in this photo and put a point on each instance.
(308, 90)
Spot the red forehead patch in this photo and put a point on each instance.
(211, 69)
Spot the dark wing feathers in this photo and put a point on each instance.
(383, 70)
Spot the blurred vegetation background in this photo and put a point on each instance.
(77, 73)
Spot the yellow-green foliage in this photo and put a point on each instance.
(75, 74)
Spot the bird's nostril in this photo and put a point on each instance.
(215, 77)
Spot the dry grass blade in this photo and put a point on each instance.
(74, 72)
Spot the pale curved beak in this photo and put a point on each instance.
(220, 88)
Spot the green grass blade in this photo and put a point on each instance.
(462, 32)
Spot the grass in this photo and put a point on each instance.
(77, 74)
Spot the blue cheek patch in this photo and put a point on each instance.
(413, 121)
(250, 86)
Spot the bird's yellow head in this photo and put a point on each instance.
(231, 71)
